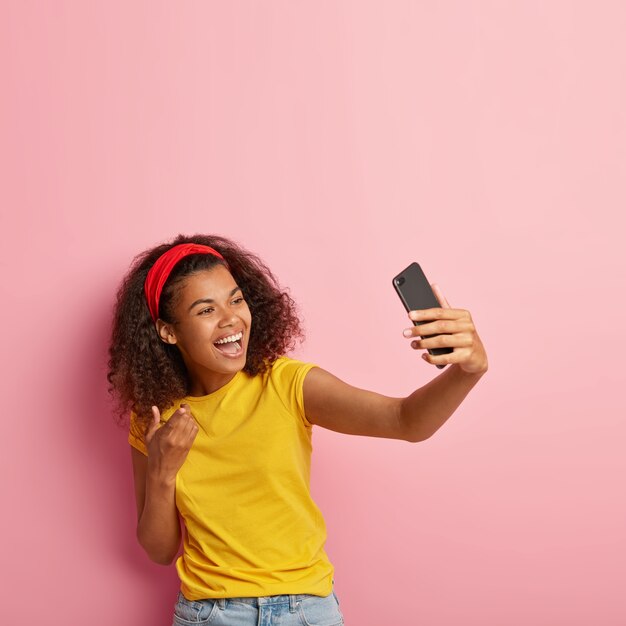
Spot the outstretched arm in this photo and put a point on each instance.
(331, 403)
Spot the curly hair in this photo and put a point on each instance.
(144, 370)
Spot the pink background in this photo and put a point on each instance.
(340, 141)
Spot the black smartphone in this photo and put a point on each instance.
(415, 292)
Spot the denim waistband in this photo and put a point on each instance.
(281, 599)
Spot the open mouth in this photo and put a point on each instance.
(230, 348)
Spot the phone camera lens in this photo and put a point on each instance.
(400, 281)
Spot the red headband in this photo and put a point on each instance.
(162, 268)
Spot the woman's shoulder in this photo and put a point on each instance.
(289, 373)
(287, 376)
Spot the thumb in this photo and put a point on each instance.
(156, 418)
(439, 295)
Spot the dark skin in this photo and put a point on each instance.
(199, 324)
(329, 402)
(210, 306)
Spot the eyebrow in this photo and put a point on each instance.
(210, 300)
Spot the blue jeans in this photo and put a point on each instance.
(285, 610)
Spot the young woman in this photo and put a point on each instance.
(221, 423)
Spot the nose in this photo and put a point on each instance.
(229, 320)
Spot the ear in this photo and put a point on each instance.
(166, 332)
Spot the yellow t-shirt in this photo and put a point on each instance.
(252, 527)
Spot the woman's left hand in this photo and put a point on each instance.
(457, 331)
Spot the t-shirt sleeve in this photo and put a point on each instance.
(289, 374)
(136, 434)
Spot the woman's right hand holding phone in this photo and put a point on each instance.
(169, 445)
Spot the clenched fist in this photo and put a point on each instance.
(169, 445)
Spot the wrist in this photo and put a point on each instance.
(475, 374)
(159, 476)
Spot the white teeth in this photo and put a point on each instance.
(236, 337)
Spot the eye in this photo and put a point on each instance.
(207, 309)
(238, 300)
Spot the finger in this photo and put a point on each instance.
(437, 313)
(443, 327)
(190, 425)
(182, 421)
(443, 341)
(156, 418)
(178, 414)
(188, 412)
(439, 294)
(156, 415)
(192, 431)
(443, 359)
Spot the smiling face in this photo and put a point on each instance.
(210, 306)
